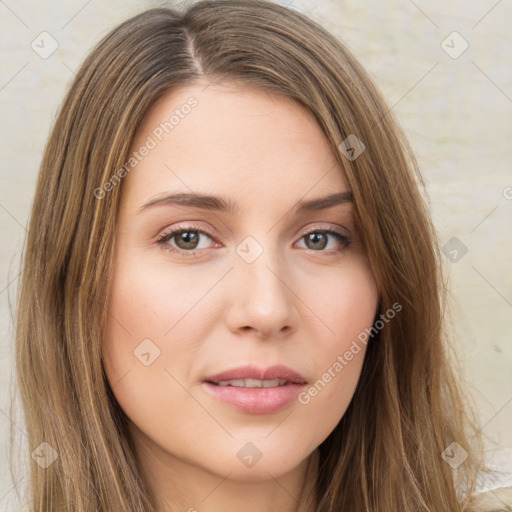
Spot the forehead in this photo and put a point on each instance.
(234, 141)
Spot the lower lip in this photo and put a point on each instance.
(256, 400)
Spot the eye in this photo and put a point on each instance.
(318, 240)
(184, 240)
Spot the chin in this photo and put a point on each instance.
(260, 461)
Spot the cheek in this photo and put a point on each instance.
(138, 356)
(150, 301)
(347, 309)
(346, 304)
(132, 348)
(156, 323)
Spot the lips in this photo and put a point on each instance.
(278, 372)
(254, 390)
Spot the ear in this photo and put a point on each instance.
(496, 500)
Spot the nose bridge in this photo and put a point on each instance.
(260, 265)
(263, 299)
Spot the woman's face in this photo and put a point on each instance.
(267, 285)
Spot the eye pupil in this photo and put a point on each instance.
(315, 237)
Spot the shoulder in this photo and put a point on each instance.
(496, 500)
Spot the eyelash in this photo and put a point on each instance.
(164, 238)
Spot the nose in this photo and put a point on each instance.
(262, 297)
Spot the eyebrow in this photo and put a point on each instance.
(221, 204)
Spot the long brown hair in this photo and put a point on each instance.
(387, 451)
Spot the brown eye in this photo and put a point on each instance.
(184, 240)
(318, 240)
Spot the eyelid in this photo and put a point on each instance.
(330, 227)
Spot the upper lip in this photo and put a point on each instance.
(280, 372)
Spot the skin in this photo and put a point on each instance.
(298, 304)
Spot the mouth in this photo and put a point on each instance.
(252, 383)
(256, 391)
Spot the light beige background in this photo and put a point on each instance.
(456, 112)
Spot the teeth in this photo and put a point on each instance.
(253, 383)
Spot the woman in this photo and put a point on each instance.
(231, 292)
